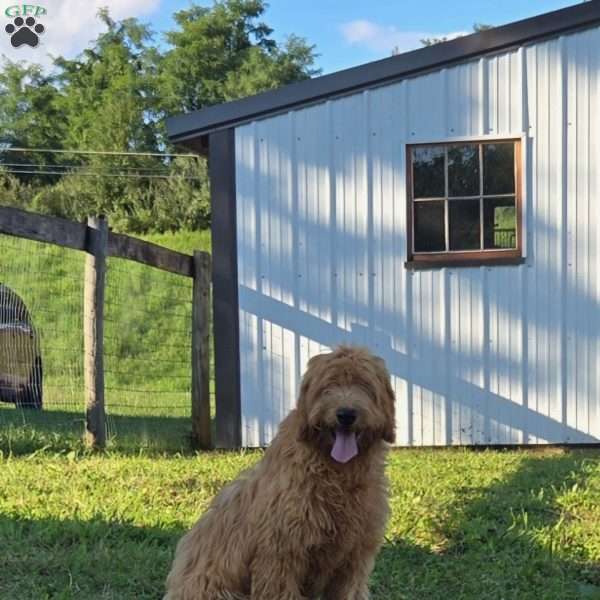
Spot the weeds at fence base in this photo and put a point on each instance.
(59, 431)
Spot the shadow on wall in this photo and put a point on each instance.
(483, 355)
(418, 371)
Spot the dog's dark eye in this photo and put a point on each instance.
(367, 389)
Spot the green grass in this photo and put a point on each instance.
(182, 241)
(147, 347)
(465, 525)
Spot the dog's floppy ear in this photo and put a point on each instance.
(389, 431)
(309, 376)
(388, 401)
(303, 427)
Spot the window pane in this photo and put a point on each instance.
(499, 168)
(429, 227)
(428, 172)
(463, 170)
(499, 223)
(464, 225)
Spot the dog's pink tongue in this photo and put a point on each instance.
(344, 447)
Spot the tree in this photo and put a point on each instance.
(13, 191)
(225, 52)
(477, 28)
(108, 100)
(29, 117)
(109, 92)
(114, 96)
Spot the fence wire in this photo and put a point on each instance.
(147, 351)
(41, 342)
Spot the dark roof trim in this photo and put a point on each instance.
(187, 128)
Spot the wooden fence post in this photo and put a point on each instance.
(201, 424)
(93, 328)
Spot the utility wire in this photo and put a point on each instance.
(96, 152)
(80, 174)
(84, 167)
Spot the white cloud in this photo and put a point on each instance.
(70, 25)
(383, 38)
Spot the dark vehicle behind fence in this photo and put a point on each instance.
(20, 354)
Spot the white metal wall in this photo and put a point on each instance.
(495, 355)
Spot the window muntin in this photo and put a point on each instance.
(464, 200)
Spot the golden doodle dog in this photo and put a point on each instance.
(307, 521)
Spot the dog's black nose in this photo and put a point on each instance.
(346, 416)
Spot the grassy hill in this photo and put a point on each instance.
(147, 344)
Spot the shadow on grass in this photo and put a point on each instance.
(23, 432)
(521, 538)
(518, 539)
(51, 558)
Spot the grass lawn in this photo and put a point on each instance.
(465, 525)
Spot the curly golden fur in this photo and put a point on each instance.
(300, 524)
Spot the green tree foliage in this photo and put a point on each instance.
(477, 28)
(226, 52)
(108, 100)
(29, 115)
(110, 96)
(114, 97)
(14, 192)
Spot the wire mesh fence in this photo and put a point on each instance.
(147, 351)
(42, 336)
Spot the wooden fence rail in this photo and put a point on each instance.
(98, 242)
(78, 236)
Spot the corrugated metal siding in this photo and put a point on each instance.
(496, 355)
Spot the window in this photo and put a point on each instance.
(464, 203)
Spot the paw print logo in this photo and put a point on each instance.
(24, 31)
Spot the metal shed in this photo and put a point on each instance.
(323, 232)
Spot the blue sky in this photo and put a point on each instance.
(352, 32)
(346, 32)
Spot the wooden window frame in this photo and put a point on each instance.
(465, 258)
